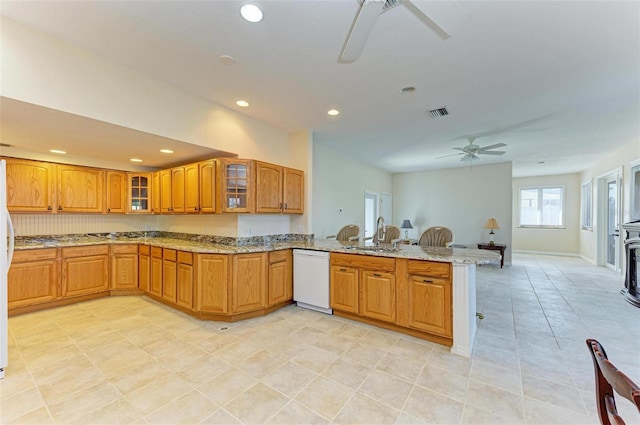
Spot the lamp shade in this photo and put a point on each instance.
(406, 224)
(491, 224)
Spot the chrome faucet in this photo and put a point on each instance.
(380, 225)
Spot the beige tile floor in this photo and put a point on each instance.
(130, 360)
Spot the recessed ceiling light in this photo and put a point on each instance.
(242, 103)
(166, 151)
(407, 90)
(333, 112)
(251, 13)
(227, 60)
(57, 151)
(135, 160)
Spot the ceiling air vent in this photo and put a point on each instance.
(440, 112)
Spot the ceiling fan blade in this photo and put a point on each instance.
(449, 15)
(497, 145)
(491, 152)
(362, 26)
(453, 154)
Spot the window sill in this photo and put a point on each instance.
(543, 227)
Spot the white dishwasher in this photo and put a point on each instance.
(311, 280)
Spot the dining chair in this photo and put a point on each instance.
(348, 233)
(436, 236)
(608, 380)
(392, 233)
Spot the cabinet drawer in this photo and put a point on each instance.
(156, 252)
(278, 256)
(429, 268)
(85, 251)
(364, 262)
(34, 255)
(185, 257)
(169, 254)
(124, 249)
(144, 250)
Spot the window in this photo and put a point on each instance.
(586, 207)
(542, 206)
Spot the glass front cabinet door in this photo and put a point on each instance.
(236, 186)
(140, 193)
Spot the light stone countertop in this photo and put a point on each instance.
(414, 252)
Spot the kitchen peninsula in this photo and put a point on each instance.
(427, 292)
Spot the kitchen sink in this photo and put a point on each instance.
(377, 248)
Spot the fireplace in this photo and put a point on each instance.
(632, 252)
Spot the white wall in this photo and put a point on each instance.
(566, 240)
(621, 157)
(38, 69)
(339, 183)
(462, 199)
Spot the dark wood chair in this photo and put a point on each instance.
(608, 379)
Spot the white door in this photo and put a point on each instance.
(611, 223)
(370, 213)
(386, 208)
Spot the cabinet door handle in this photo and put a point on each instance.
(49, 208)
(59, 208)
(108, 209)
(427, 280)
(377, 275)
(285, 206)
(343, 270)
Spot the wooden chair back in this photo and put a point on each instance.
(392, 233)
(608, 379)
(348, 233)
(436, 236)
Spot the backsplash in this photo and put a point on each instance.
(63, 224)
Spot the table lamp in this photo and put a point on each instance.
(406, 224)
(491, 224)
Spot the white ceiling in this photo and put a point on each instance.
(556, 81)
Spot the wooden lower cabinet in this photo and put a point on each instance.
(378, 295)
(249, 282)
(430, 305)
(155, 282)
(344, 288)
(144, 267)
(169, 275)
(184, 280)
(280, 281)
(85, 270)
(124, 266)
(212, 276)
(33, 277)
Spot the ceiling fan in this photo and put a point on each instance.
(447, 15)
(471, 151)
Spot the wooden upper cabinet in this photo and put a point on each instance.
(30, 186)
(156, 194)
(279, 189)
(191, 189)
(293, 191)
(207, 186)
(166, 190)
(139, 192)
(177, 190)
(235, 186)
(116, 192)
(269, 188)
(80, 189)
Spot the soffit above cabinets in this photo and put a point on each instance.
(33, 130)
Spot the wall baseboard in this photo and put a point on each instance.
(557, 254)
